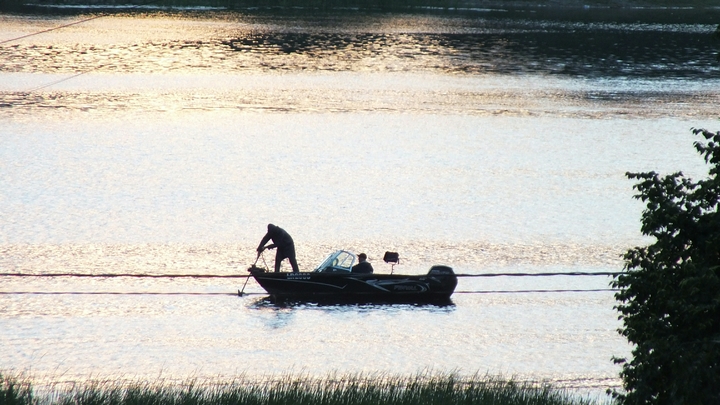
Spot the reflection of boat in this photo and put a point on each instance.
(333, 280)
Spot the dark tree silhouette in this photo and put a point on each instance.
(669, 298)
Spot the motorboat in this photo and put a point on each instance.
(334, 280)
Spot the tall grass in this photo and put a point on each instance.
(15, 391)
(422, 389)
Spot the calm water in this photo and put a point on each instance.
(491, 142)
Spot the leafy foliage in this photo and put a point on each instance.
(669, 298)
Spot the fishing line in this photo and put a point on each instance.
(533, 291)
(263, 293)
(100, 275)
(52, 29)
(65, 79)
(230, 276)
(117, 293)
(65, 26)
(572, 273)
(106, 275)
(72, 23)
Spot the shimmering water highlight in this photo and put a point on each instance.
(164, 143)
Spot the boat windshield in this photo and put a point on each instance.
(339, 261)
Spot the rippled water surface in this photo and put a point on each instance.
(493, 142)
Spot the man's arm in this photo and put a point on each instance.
(264, 240)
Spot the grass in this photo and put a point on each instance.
(424, 389)
(14, 391)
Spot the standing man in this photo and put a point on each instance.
(284, 244)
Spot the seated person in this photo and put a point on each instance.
(363, 266)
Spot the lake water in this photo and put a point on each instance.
(493, 141)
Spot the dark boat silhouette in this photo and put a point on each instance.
(334, 280)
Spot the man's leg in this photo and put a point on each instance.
(289, 252)
(293, 263)
(278, 260)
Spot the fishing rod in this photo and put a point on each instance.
(242, 292)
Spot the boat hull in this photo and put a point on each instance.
(432, 287)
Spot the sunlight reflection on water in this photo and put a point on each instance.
(348, 42)
(337, 178)
(473, 142)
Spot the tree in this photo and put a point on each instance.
(669, 291)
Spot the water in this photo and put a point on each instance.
(493, 142)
